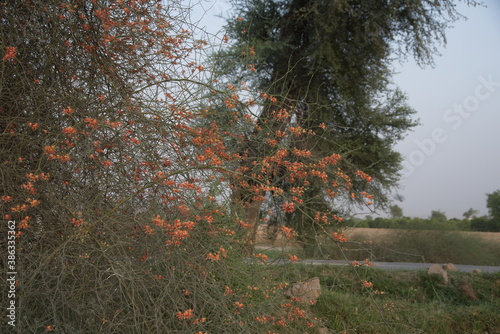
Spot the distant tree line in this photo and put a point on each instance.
(438, 220)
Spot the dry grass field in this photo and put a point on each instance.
(379, 234)
(395, 245)
(360, 234)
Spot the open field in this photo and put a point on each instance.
(396, 245)
(362, 233)
(377, 234)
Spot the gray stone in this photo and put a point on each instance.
(436, 269)
(308, 291)
(323, 330)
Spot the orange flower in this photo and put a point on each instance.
(364, 176)
(368, 263)
(5, 199)
(299, 312)
(158, 221)
(288, 207)
(69, 131)
(339, 237)
(301, 153)
(24, 223)
(10, 53)
(197, 321)
(272, 142)
(33, 202)
(293, 258)
(262, 257)
(63, 158)
(282, 322)
(213, 257)
(77, 222)
(33, 126)
(228, 291)
(49, 149)
(20, 208)
(366, 195)
(91, 122)
(188, 314)
(289, 232)
(367, 284)
(29, 187)
(69, 110)
(41, 176)
(261, 318)
(280, 134)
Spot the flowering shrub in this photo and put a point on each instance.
(124, 170)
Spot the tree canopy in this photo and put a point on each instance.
(328, 63)
(396, 211)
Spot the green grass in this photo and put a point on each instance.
(399, 301)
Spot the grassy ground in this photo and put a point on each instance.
(398, 301)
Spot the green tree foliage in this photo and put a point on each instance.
(396, 211)
(470, 213)
(328, 63)
(483, 224)
(493, 204)
(438, 216)
(489, 223)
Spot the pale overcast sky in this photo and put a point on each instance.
(452, 160)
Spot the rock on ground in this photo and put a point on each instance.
(436, 269)
(308, 291)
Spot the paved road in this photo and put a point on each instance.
(395, 265)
